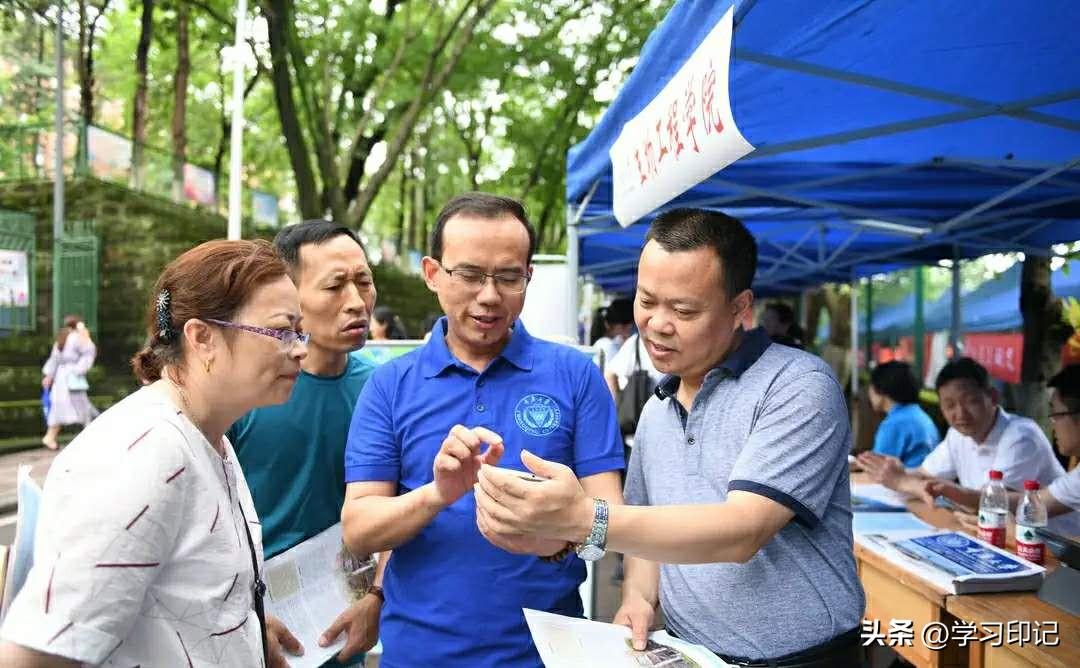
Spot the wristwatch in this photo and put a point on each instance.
(593, 547)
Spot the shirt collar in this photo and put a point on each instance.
(436, 356)
(994, 435)
(750, 348)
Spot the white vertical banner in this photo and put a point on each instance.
(545, 314)
(685, 134)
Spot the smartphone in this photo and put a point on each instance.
(530, 477)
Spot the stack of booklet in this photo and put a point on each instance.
(955, 562)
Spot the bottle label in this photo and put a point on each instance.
(992, 527)
(1029, 545)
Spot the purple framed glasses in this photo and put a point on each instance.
(288, 337)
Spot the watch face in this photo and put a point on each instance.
(590, 552)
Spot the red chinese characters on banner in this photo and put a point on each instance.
(1001, 354)
(680, 119)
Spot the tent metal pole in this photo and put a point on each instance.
(793, 250)
(1008, 194)
(1007, 172)
(869, 320)
(854, 337)
(901, 250)
(918, 335)
(897, 87)
(909, 126)
(573, 262)
(912, 226)
(954, 329)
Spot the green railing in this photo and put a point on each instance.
(28, 152)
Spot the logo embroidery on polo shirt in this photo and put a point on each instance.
(537, 414)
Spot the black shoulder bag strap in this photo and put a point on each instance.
(258, 589)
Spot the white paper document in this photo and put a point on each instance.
(570, 642)
(308, 586)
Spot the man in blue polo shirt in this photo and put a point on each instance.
(453, 599)
(293, 454)
(741, 523)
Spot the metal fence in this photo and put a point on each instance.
(28, 152)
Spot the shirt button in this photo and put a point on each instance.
(690, 440)
(480, 383)
(479, 408)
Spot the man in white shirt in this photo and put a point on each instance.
(1062, 496)
(981, 437)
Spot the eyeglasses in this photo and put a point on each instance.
(1059, 414)
(510, 282)
(288, 337)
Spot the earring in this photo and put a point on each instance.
(208, 364)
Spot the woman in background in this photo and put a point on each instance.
(64, 376)
(385, 325)
(907, 432)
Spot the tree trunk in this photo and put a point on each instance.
(1044, 333)
(815, 299)
(277, 18)
(86, 92)
(400, 238)
(430, 85)
(180, 88)
(419, 203)
(139, 110)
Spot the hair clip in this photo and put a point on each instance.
(165, 332)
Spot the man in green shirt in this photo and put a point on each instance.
(293, 454)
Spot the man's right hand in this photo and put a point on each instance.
(460, 458)
(638, 614)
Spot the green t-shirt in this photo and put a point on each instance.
(293, 455)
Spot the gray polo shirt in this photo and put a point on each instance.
(769, 420)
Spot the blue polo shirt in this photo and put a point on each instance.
(452, 598)
(908, 434)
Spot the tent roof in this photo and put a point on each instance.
(888, 132)
(994, 306)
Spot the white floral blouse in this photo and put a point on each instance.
(141, 554)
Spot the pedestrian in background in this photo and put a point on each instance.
(64, 376)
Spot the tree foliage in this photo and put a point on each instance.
(371, 113)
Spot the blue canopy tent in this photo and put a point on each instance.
(887, 133)
(993, 306)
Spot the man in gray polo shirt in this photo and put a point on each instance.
(740, 516)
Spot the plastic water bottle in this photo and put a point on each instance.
(1031, 515)
(994, 511)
